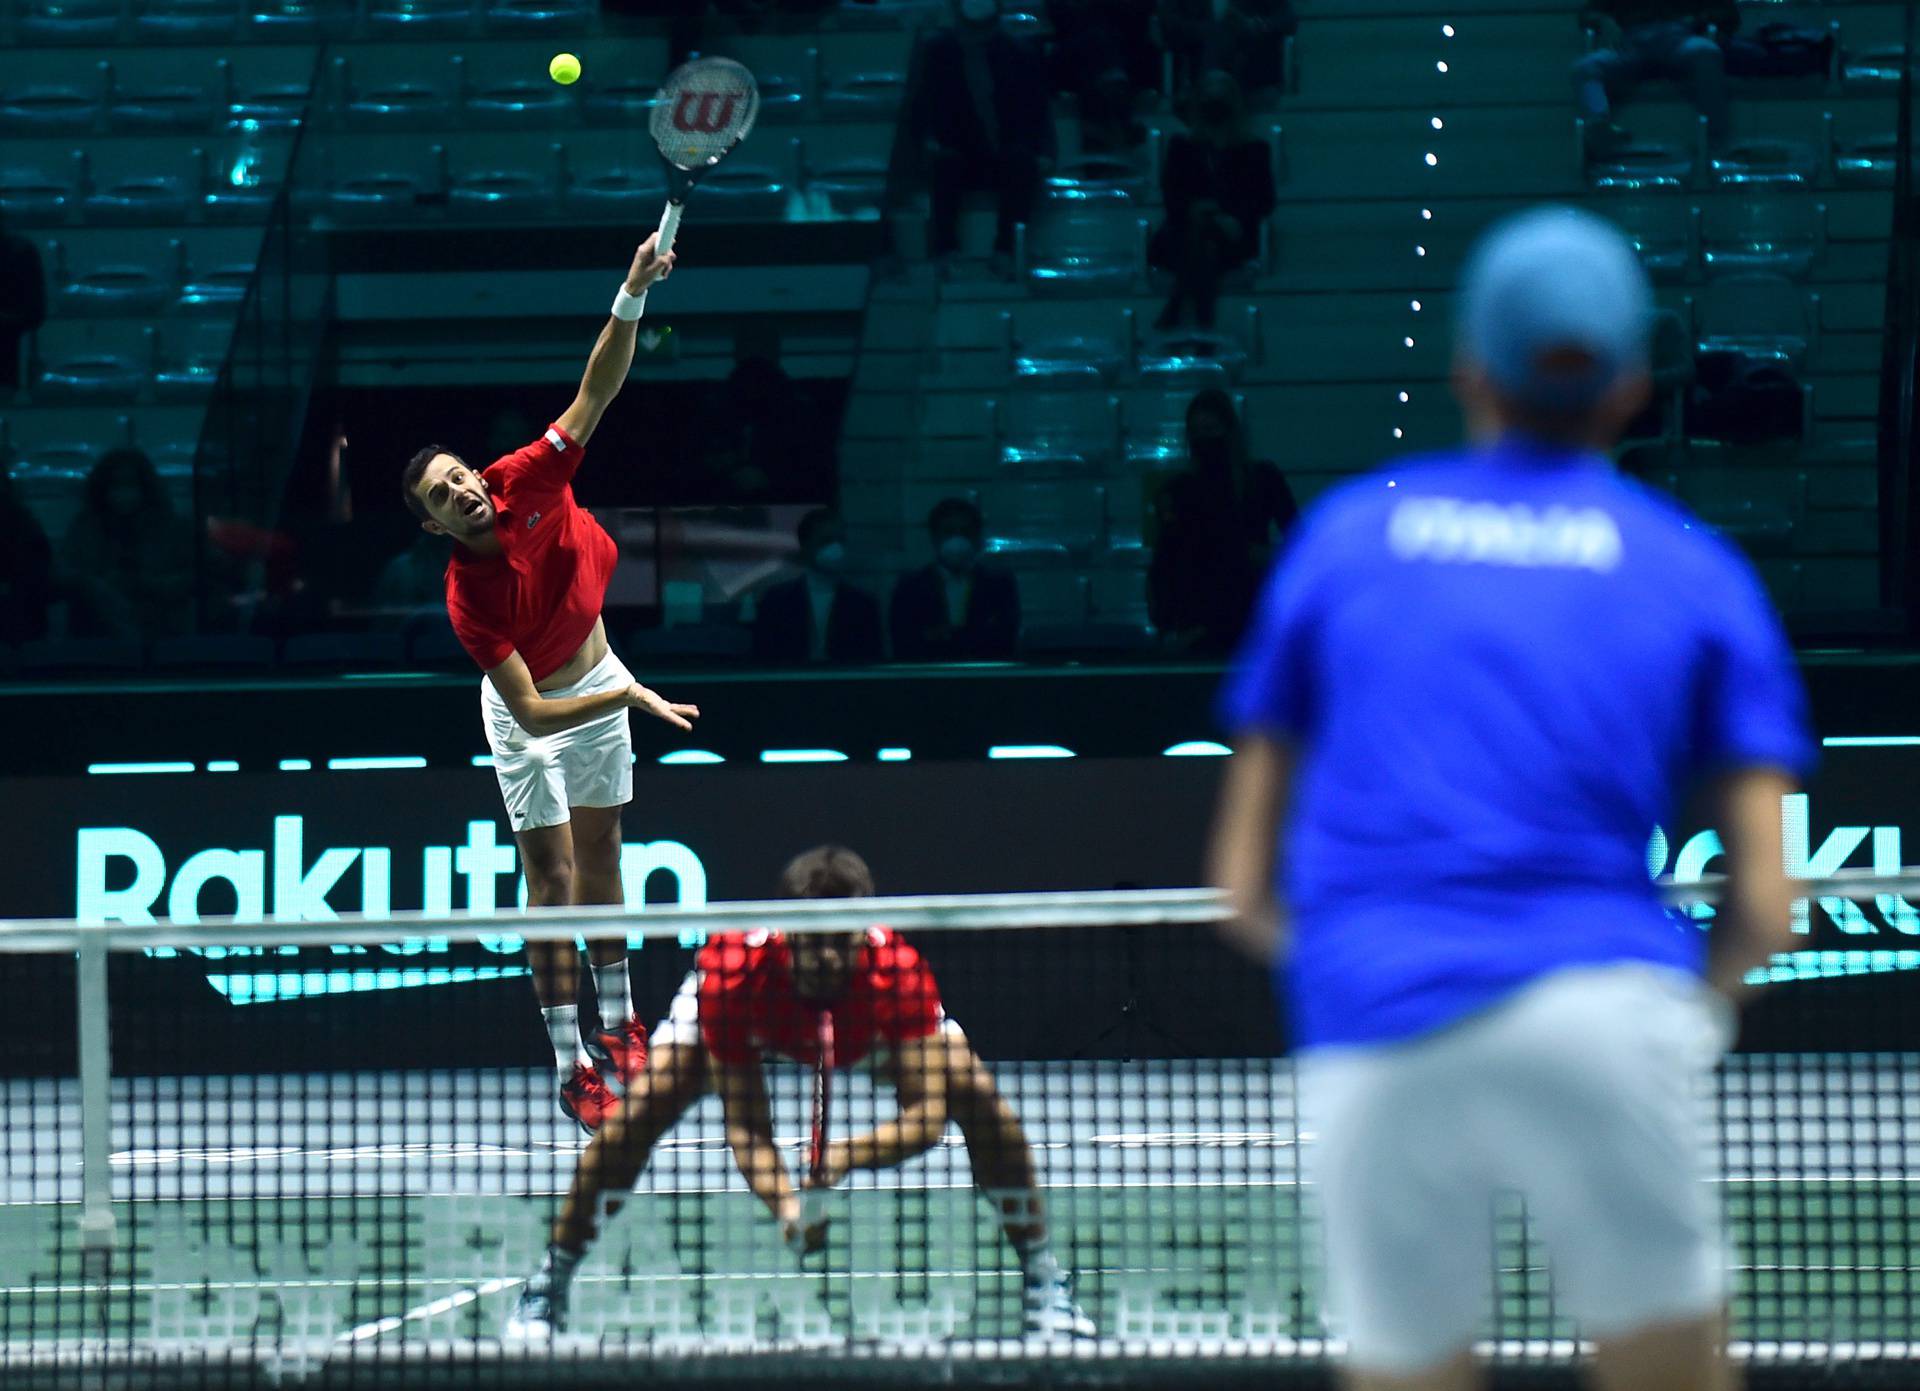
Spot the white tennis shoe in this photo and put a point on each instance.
(1052, 1313)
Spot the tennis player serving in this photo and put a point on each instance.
(763, 995)
(524, 592)
(1476, 685)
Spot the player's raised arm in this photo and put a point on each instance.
(921, 1067)
(612, 356)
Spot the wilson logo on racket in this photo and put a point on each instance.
(705, 113)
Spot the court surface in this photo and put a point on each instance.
(310, 1214)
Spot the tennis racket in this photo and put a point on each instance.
(814, 1197)
(706, 108)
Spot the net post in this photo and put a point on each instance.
(98, 1232)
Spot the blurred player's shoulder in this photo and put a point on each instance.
(737, 953)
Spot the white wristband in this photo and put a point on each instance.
(628, 307)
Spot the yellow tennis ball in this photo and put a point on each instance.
(564, 69)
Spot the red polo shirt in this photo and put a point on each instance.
(748, 1004)
(542, 595)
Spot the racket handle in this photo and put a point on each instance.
(669, 226)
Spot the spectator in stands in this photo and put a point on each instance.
(1219, 520)
(1104, 54)
(26, 568)
(956, 609)
(128, 559)
(818, 616)
(23, 303)
(1245, 38)
(1217, 182)
(982, 116)
(1645, 39)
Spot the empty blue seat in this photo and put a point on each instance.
(185, 21)
(539, 16)
(1661, 228)
(1780, 234)
(1048, 429)
(140, 199)
(409, 19)
(48, 108)
(157, 106)
(32, 197)
(1765, 162)
(1760, 315)
(1087, 249)
(114, 287)
(864, 96)
(68, 21)
(1041, 523)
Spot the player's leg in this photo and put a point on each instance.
(1461, 1373)
(619, 1044)
(1686, 1356)
(676, 1076)
(547, 860)
(1003, 1168)
(596, 761)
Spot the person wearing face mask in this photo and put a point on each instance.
(981, 115)
(956, 609)
(817, 616)
(128, 558)
(1219, 520)
(1217, 182)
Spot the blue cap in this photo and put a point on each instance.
(1555, 279)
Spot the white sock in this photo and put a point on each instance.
(563, 1030)
(610, 983)
(1037, 1265)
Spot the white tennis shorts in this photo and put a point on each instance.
(680, 1026)
(590, 765)
(1585, 1092)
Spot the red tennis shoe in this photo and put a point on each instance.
(621, 1053)
(585, 1098)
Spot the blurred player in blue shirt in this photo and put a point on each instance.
(1478, 680)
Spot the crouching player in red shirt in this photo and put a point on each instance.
(758, 994)
(524, 592)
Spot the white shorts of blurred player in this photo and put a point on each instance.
(541, 776)
(1584, 1092)
(680, 1025)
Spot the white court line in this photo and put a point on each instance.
(444, 1305)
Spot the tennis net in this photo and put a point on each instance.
(332, 1153)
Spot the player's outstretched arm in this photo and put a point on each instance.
(612, 356)
(748, 1115)
(1246, 831)
(920, 1085)
(541, 715)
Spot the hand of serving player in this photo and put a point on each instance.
(647, 267)
(658, 706)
